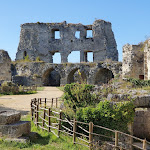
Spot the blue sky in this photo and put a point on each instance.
(130, 18)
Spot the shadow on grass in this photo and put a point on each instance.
(8, 109)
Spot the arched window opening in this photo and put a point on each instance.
(74, 57)
(57, 58)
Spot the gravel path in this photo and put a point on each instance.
(22, 102)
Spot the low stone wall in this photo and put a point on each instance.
(141, 126)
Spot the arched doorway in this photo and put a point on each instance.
(103, 76)
(51, 77)
(76, 75)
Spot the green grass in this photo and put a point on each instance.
(40, 88)
(44, 141)
(61, 88)
(19, 93)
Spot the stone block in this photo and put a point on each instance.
(8, 117)
(16, 129)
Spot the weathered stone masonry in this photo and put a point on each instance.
(5, 66)
(136, 60)
(39, 72)
(38, 40)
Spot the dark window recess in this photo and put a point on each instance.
(141, 77)
(24, 54)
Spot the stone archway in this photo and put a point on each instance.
(51, 77)
(76, 75)
(103, 76)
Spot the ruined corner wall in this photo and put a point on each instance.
(133, 61)
(38, 40)
(147, 60)
(5, 66)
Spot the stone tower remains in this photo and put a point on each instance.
(39, 40)
(136, 61)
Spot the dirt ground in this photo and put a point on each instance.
(22, 102)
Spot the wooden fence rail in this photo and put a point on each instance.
(83, 133)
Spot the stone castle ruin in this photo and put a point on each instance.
(45, 39)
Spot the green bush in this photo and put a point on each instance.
(114, 116)
(78, 95)
(138, 82)
(9, 87)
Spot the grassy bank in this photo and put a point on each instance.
(44, 141)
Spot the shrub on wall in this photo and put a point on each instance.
(78, 95)
(112, 115)
(138, 82)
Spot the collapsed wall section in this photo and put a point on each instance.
(45, 39)
(5, 66)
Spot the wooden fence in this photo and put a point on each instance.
(52, 120)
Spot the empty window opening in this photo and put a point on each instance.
(24, 54)
(57, 34)
(89, 33)
(77, 34)
(57, 58)
(74, 57)
(90, 57)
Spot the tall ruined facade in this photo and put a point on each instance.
(39, 40)
(136, 61)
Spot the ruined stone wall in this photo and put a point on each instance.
(38, 39)
(147, 60)
(141, 126)
(133, 61)
(5, 66)
(30, 73)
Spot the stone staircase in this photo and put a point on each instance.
(11, 126)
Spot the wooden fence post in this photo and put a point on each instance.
(44, 118)
(90, 135)
(52, 102)
(59, 124)
(40, 102)
(116, 140)
(37, 114)
(56, 102)
(31, 110)
(45, 102)
(35, 110)
(49, 119)
(144, 144)
(74, 130)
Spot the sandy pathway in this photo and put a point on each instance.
(22, 102)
